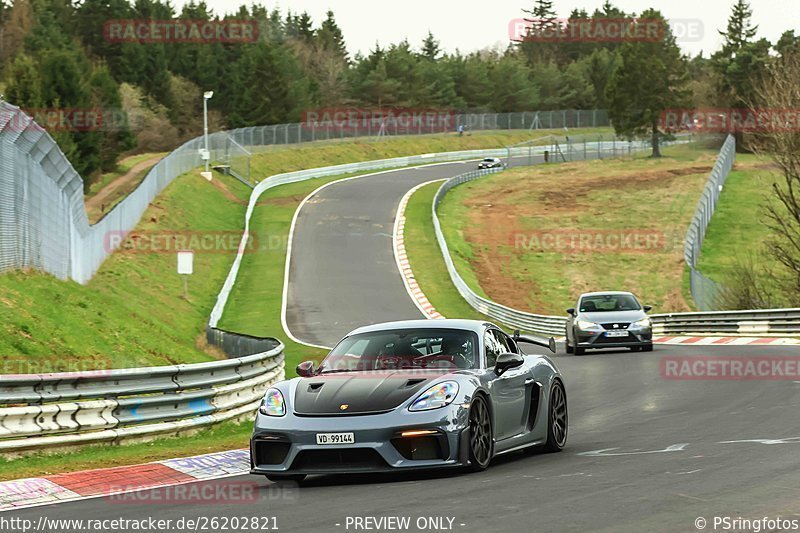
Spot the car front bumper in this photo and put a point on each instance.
(598, 339)
(288, 445)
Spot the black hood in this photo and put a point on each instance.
(348, 393)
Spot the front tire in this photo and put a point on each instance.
(647, 347)
(481, 438)
(557, 419)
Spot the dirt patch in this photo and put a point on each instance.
(227, 192)
(106, 196)
(291, 201)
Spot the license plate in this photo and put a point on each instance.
(617, 333)
(336, 438)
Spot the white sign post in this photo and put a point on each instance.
(185, 268)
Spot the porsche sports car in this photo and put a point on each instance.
(608, 320)
(415, 394)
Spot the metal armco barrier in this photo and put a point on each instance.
(757, 323)
(774, 322)
(49, 410)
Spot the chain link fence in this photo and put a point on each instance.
(43, 221)
(705, 291)
(345, 128)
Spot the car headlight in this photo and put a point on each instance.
(643, 323)
(273, 404)
(586, 325)
(437, 396)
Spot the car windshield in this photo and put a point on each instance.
(488, 160)
(608, 302)
(426, 348)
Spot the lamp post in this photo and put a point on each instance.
(206, 97)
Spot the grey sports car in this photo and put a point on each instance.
(416, 394)
(608, 320)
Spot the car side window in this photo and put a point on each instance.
(506, 344)
(493, 349)
(509, 342)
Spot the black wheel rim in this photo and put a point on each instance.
(480, 432)
(558, 415)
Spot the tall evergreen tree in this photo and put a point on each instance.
(430, 47)
(740, 29)
(330, 37)
(651, 78)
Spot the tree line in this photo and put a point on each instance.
(56, 54)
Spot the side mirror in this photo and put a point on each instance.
(571, 311)
(647, 308)
(305, 369)
(506, 361)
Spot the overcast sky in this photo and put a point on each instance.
(471, 25)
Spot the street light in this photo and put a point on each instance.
(206, 97)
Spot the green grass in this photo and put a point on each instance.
(133, 312)
(224, 436)
(484, 221)
(737, 229)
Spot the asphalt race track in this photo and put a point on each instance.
(645, 453)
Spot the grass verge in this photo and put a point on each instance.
(517, 236)
(737, 232)
(133, 312)
(426, 260)
(224, 436)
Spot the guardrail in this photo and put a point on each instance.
(760, 323)
(54, 410)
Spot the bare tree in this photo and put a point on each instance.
(779, 93)
(747, 285)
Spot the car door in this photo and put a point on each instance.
(508, 390)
